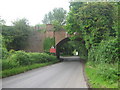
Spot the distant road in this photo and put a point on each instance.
(66, 74)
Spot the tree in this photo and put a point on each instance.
(97, 24)
(15, 36)
(56, 18)
(93, 20)
(2, 22)
(22, 26)
(58, 14)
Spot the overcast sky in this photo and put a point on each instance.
(33, 10)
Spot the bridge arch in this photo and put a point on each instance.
(59, 44)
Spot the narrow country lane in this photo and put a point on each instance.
(66, 74)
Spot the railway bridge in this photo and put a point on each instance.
(36, 39)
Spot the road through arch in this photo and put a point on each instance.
(64, 41)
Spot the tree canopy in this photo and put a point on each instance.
(15, 36)
(2, 22)
(97, 23)
(57, 15)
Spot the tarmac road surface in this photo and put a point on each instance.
(66, 74)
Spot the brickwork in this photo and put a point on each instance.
(36, 39)
(35, 42)
(59, 35)
(49, 34)
(49, 27)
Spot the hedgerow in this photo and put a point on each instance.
(22, 58)
(106, 52)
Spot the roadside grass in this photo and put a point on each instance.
(96, 80)
(22, 69)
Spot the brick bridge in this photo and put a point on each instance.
(36, 39)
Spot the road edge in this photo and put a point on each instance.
(84, 74)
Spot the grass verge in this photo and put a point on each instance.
(14, 71)
(96, 80)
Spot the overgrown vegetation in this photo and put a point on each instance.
(48, 43)
(19, 61)
(102, 75)
(15, 37)
(97, 24)
(22, 58)
(105, 52)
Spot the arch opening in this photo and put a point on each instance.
(66, 41)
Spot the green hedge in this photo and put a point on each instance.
(4, 53)
(106, 51)
(22, 58)
(41, 57)
(102, 66)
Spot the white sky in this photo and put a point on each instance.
(33, 10)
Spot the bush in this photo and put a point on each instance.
(106, 51)
(102, 75)
(5, 53)
(49, 53)
(48, 43)
(9, 64)
(34, 57)
(48, 58)
(104, 60)
(41, 57)
(108, 71)
(21, 57)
